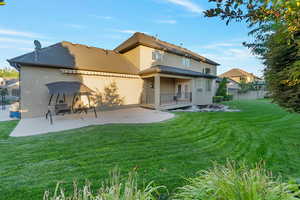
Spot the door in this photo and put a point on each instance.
(186, 91)
(179, 91)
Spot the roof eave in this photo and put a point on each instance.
(158, 70)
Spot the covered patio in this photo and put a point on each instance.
(167, 88)
(36, 126)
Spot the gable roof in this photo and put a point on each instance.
(237, 72)
(11, 81)
(150, 41)
(76, 56)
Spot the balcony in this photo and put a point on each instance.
(175, 98)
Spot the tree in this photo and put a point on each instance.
(9, 73)
(282, 60)
(222, 90)
(258, 11)
(276, 28)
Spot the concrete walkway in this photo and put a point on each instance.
(36, 126)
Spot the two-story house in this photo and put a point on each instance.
(240, 76)
(142, 71)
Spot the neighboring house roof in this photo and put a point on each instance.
(11, 81)
(76, 56)
(174, 71)
(233, 81)
(235, 72)
(13, 85)
(150, 41)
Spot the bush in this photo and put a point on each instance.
(228, 97)
(112, 189)
(235, 182)
(218, 99)
(222, 90)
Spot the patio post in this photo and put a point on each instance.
(157, 91)
(194, 91)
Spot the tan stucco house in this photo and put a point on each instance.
(142, 71)
(239, 76)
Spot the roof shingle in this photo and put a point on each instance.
(147, 40)
(75, 56)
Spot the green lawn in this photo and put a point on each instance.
(164, 152)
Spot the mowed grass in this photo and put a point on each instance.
(163, 152)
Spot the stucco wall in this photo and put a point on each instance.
(167, 85)
(250, 95)
(35, 97)
(203, 96)
(169, 59)
(134, 56)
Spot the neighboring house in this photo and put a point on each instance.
(142, 71)
(13, 89)
(10, 81)
(240, 75)
(232, 86)
(2, 82)
(12, 86)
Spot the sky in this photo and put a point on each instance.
(107, 23)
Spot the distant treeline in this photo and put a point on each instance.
(9, 73)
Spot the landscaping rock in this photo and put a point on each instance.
(207, 108)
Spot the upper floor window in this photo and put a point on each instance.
(156, 55)
(208, 85)
(186, 62)
(206, 70)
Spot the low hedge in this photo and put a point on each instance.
(218, 99)
(228, 97)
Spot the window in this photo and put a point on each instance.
(157, 56)
(208, 85)
(186, 91)
(15, 92)
(179, 91)
(206, 70)
(186, 62)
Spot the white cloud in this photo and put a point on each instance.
(219, 45)
(170, 21)
(130, 31)
(19, 33)
(76, 26)
(21, 42)
(13, 40)
(127, 31)
(231, 54)
(187, 4)
(101, 17)
(235, 58)
(15, 47)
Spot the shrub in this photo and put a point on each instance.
(228, 97)
(246, 87)
(112, 189)
(235, 182)
(218, 99)
(222, 90)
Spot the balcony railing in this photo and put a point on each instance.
(149, 99)
(175, 98)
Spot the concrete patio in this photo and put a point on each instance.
(36, 126)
